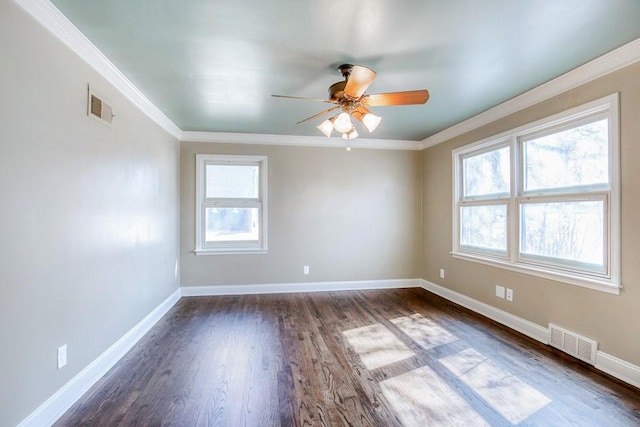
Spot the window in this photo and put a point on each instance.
(485, 193)
(544, 198)
(231, 204)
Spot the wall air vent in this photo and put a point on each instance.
(576, 345)
(98, 109)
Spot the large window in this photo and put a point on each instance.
(544, 198)
(230, 204)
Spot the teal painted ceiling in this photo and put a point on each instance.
(212, 65)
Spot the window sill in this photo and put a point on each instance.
(227, 251)
(597, 284)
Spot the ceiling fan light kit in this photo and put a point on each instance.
(342, 122)
(326, 127)
(352, 134)
(349, 97)
(367, 118)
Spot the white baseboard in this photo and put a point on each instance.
(618, 368)
(47, 413)
(282, 288)
(54, 407)
(613, 366)
(521, 325)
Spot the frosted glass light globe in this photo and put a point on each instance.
(343, 123)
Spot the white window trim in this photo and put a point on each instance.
(610, 283)
(236, 247)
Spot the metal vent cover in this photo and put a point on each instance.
(574, 344)
(98, 109)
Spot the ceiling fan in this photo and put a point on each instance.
(351, 100)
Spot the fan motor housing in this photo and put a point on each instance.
(336, 90)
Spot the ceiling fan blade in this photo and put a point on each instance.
(362, 110)
(396, 98)
(302, 98)
(359, 80)
(320, 114)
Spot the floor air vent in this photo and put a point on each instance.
(576, 345)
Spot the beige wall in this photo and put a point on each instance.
(611, 319)
(89, 219)
(348, 215)
(89, 216)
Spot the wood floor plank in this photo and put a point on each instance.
(397, 357)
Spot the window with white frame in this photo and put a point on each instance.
(231, 204)
(544, 198)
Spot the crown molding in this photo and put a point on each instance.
(306, 141)
(53, 20)
(601, 66)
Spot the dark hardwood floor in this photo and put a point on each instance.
(367, 358)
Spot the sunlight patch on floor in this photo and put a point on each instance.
(421, 398)
(424, 331)
(377, 346)
(514, 399)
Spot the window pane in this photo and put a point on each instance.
(233, 181)
(574, 157)
(484, 227)
(571, 232)
(486, 173)
(232, 224)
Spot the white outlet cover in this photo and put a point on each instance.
(500, 291)
(442, 273)
(509, 294)
(306, 269)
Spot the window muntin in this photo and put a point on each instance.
(231, 204)
(562, 206)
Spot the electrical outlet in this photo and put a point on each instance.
(442, 273)
(62, 356)
(500, 291)
(509, 294)
(306, 269)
